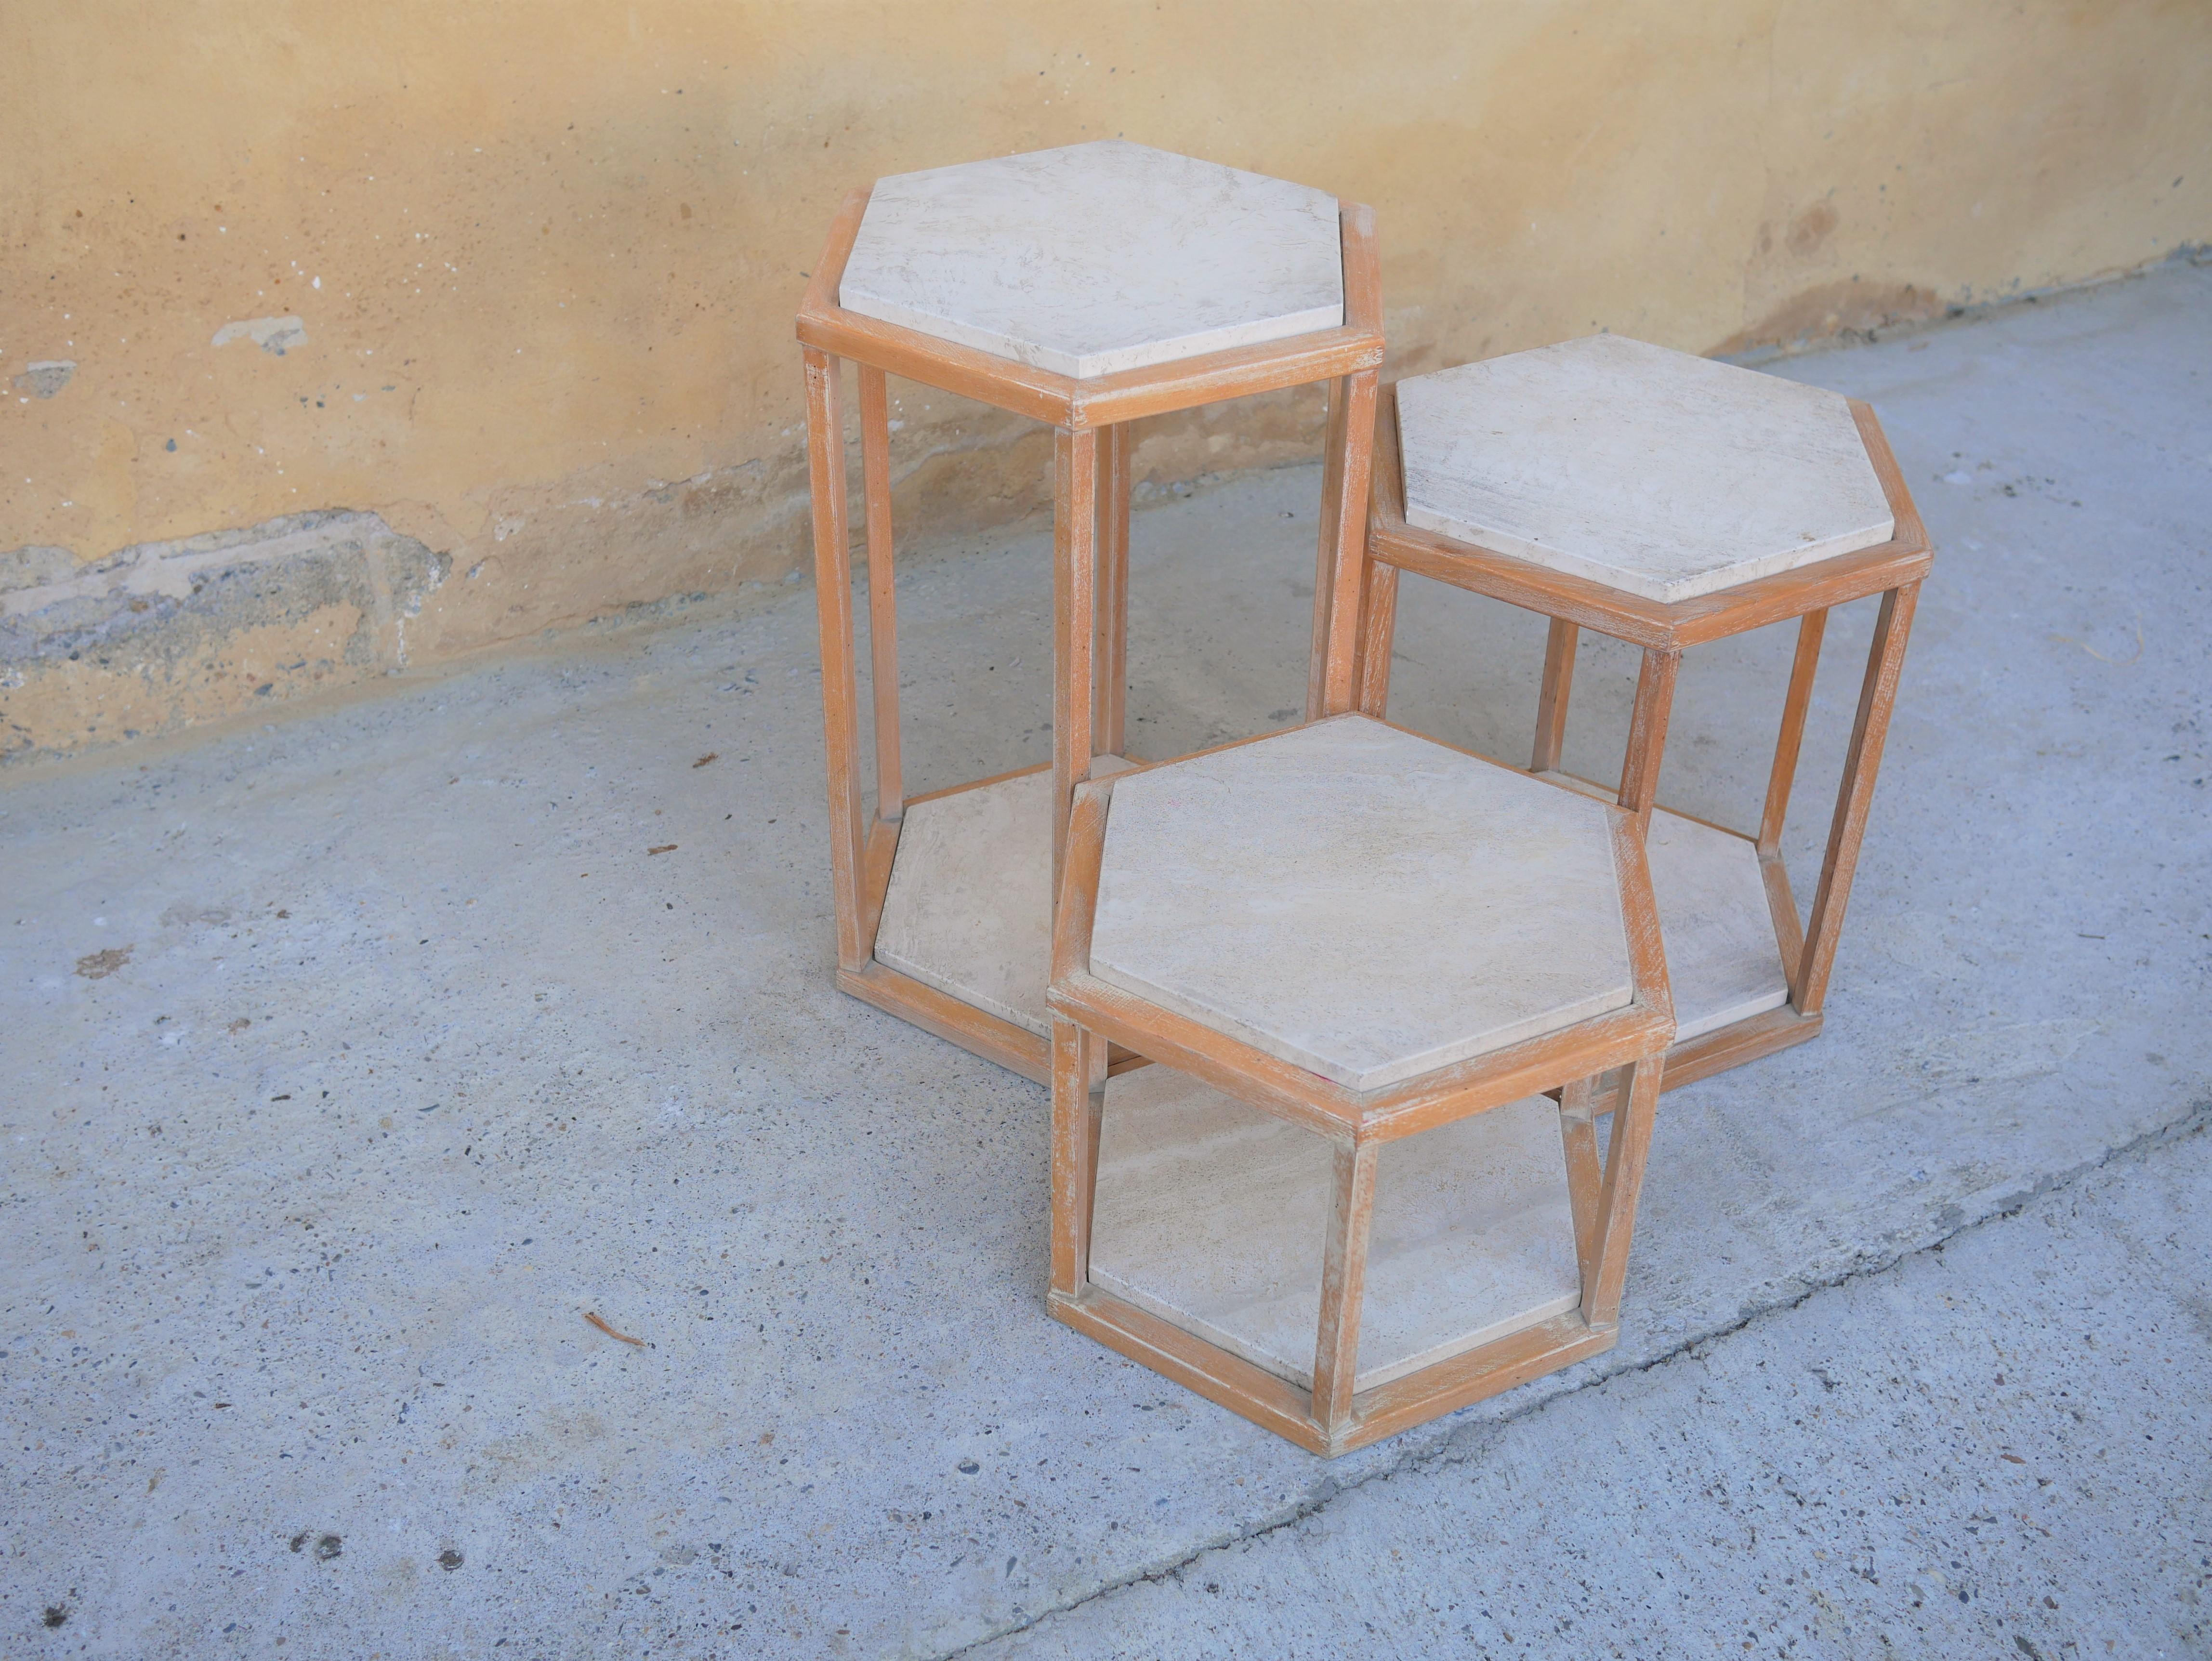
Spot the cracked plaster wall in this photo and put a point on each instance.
(523, 293)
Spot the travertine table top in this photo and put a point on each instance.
(1097, 258)
(1360, 901)
(1662, 474)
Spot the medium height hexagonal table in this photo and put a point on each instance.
(1322, 943)
(1666, 501)
(1086, 287)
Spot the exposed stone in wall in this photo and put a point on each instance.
(166, 634)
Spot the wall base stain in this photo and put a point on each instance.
(1833, 310)
(167, 635)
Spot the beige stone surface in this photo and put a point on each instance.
(1096, 257)
(1213, 1215)
(1722, 963)
(969, 907)
(1360, 901)
(1653, 472)
(969, 910)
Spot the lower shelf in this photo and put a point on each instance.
(968, 911)
(1212, 1215)
(1723, 959)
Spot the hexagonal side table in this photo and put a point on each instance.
(1322, 942)
(1088, 287)
(1666, 501)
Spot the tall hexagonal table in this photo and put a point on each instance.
(1086, 287)
(1666, 501)
(1324, 942)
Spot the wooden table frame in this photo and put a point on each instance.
(1092, 457)
(1090, 1016)
(1893, 569)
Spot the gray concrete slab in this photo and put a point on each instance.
(1995, 1447)
(348, 1062)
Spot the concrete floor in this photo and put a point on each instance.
(344, 1064)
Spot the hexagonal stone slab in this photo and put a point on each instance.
(1360, 901)
(1655, 472)
(1211, 1214)
(1097, 258)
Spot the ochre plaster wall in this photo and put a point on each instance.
(545, 257)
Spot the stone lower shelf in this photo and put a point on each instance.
(1723, 960)
(967, 909)
(1213, 1215)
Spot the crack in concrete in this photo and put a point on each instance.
(1460, 1446)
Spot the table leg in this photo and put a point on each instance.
(1631, 1146)
(1078, 1079)
(1585, 1179)
(883, 590)
(1551, 696)
(1781, 904)
(1339, 566)
(1115, 444)
(1343, 1281)
(1075, 625)
(1378, 630)
(1791, 739)
(1647, 732)
(1863, 762)
(832, 603)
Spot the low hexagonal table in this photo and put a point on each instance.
(1312, 946)
(1087, 287)
(1666, 501)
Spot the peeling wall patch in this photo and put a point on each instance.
(272, 334)
(44, 380)
(33, 567)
